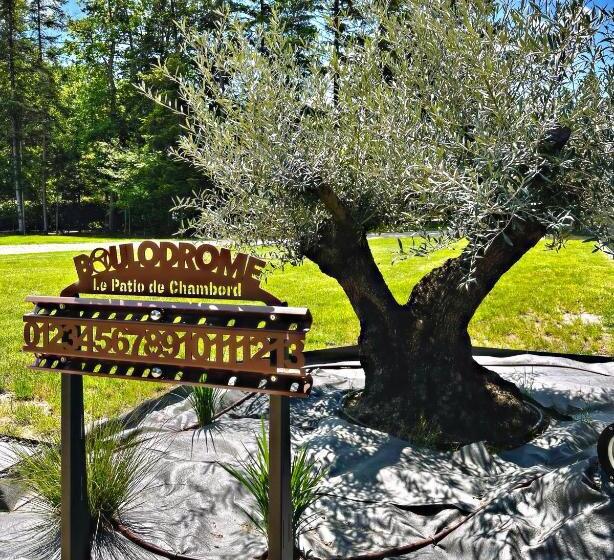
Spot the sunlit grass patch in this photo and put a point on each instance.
(535, 306)
(34, 239)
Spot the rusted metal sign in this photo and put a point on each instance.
(256, 348)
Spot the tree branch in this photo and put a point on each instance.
(518, 237)
(335, 206)
(343, 253)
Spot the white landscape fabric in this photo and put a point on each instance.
(548, 499)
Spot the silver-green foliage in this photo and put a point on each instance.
(253, 474)
(440, 118)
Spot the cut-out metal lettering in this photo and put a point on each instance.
(256, 350)
(168, 269)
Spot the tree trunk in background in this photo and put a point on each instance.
(111, 223)
(115, 118)
(57, 212)
(17, 176)
(45, 122)
(113, 114)
(15, 118)
(174, 28)
(336, 50)
(43, 183)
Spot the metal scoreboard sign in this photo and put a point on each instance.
(256, 348)
(252, 348)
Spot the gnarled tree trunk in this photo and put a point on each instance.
(417, 356)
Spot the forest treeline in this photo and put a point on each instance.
(80, 147)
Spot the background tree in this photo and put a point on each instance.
(47, 19)
(102, 34)
(29, 70)
(13, 11)
(488, 121)
(89, 142)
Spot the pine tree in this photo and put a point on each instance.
(12, 32)
(46, 19)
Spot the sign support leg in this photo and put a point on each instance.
(281, 539)
(75, 512)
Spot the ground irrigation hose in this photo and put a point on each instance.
(379, 555)
(135, 539)
(546, 365)
(437, 537)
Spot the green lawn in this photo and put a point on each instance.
(11, 239)
(526, 310)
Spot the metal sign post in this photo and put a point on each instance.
(244, 347)
(281, 538)
(74, 532)
(75, 511)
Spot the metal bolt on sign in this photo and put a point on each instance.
(155, 314)
(255, 348)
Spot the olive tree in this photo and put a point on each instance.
(487, 122)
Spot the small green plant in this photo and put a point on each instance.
(527, 383)
(206, 402)
(253, 474)
(39, 474)
(117, 471)
(424, 433)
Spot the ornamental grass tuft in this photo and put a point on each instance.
(253, 474)
(118, 470)
(206, 402)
